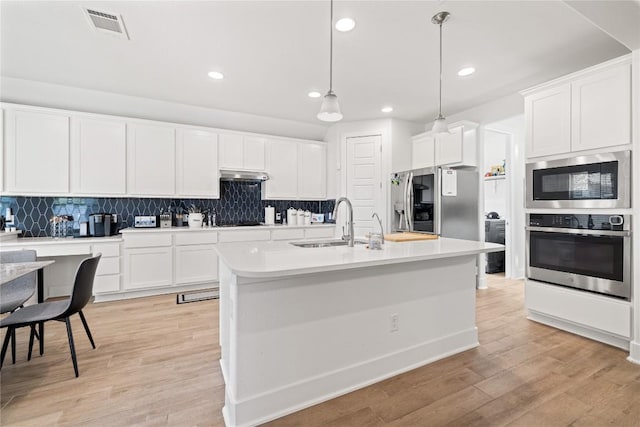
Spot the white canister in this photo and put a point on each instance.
(307, 217)
(269, 215)
(292, 216)
(300, 217)
(195, 219)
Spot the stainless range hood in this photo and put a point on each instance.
(236, 175)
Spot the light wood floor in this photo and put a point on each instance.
(156, 364)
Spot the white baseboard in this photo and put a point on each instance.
(481, 283)
(152, 292)
(634, 352)
(311, 391)
(581, 330)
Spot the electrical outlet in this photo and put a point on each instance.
(394, 325)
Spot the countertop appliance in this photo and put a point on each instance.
(438, 201)
(585, 251)
(165, 220)
(145, 221)
(103, 224)
(597, 181)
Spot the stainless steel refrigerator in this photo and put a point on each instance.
(438, 201)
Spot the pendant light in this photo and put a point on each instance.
(330, 109)
(440, 125)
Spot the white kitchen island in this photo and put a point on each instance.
(299, 326)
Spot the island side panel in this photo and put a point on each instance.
(299, 340)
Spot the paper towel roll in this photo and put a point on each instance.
(269, 215)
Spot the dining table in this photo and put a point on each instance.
(13, 270)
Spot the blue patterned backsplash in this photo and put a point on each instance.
(239, 202)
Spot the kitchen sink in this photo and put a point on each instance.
(325, 243)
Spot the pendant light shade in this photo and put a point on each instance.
(440, 125)
(330, 109)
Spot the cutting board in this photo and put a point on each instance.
(409, 237)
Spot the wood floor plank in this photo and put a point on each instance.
(157, 364)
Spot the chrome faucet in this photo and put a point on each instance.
(375, 215)
(349, 236)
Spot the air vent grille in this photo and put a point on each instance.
(107, 23)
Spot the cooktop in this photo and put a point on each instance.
(241, 224)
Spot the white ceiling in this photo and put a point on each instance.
(274, 52)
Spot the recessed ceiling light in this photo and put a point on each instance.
(387, 109)
(345, 24)
(314, 94)
(216, 75)
(467, 71)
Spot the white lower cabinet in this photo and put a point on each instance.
(107, 278)
(148, 267)
(196, 264)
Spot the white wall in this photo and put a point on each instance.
(495, 190)
(42, 94)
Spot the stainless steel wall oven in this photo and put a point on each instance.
(597, 181)
(584, 251)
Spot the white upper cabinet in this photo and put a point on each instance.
(243, 152)
(548, 121)
(601, 109)
(197, 164)
(457, 148)
(312, 170)
(151, 155)
(37, 152)
(587, 110)
(282, 167)
(98, 156)
(423, 152)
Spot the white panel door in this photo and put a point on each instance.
(364, 182)
(231, 151)
(148, 268)
(151, 159)
(449, 147)
(196, 264)
(197, 164)
(423, 152)
(254, 151)
(601, 114)
(37, 152)
(282, 167)
(312, 171)
(548, 121)
(98, 156)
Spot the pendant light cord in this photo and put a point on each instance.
(331, 49)
(440, 106)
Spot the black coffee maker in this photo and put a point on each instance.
(103, 224)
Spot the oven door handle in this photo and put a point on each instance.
(580, 231)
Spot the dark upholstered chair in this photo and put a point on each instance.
(57, 310)
(15, 293)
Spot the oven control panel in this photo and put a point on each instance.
(580, 221)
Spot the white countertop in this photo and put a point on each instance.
(25, 241)
(218, 228)
(277, 258)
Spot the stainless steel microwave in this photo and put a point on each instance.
(596, 181)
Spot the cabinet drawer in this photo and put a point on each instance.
(110, 283)
(290, 234)
(196, 238)
(147, 240)
(108, 266)
(244, 235)
(62, 250)
(106, 249)
(314, 233)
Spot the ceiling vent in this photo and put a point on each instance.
(106, 22)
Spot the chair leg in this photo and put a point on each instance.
(5, 344)
(86, 328)
(32, 335)
(41, 337)
(71, 345)
(13, 346)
